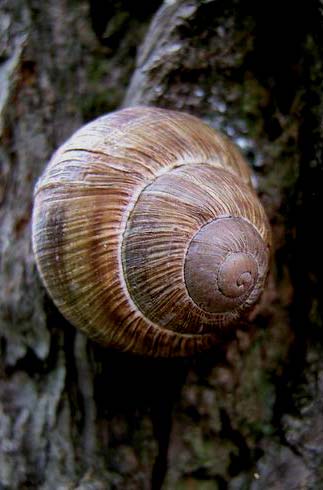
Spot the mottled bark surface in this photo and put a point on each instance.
(248, 415)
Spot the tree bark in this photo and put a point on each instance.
(249, 414)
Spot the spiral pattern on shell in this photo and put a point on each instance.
(147, 233)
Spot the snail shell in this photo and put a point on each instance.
(147, 233)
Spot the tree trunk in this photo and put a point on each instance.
(249, 414)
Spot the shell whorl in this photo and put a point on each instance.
(147, 233)
(238, 258)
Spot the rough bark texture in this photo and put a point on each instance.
(248, 415)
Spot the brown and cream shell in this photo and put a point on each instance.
(147, 232)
